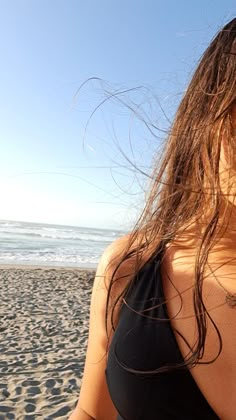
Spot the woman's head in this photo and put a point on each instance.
(196, 174)
(188, 179)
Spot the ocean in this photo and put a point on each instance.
(53, 245)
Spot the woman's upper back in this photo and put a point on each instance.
(215, 382)
(144, 342)
(210, 386)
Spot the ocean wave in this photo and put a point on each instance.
(57, 236)
(33, 243)
(49, 259)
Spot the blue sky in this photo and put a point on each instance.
(52, 170)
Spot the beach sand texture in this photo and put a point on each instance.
(44, 315)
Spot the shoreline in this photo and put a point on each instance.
(46, 267)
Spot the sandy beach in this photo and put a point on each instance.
(44, 317)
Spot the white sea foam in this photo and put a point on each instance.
(34, 243)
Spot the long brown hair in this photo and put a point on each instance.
(187, 178)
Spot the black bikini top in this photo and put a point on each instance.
(144, 344)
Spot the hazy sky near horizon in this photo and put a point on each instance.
(58, 165)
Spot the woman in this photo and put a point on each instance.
(162, 325)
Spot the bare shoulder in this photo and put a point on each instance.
(94, 400)
(115, 250)
(113, 265)
(110, 269)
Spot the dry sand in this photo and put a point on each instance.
(43, 328)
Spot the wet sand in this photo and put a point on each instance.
(44, 315)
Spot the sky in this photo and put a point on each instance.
(81, 83)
